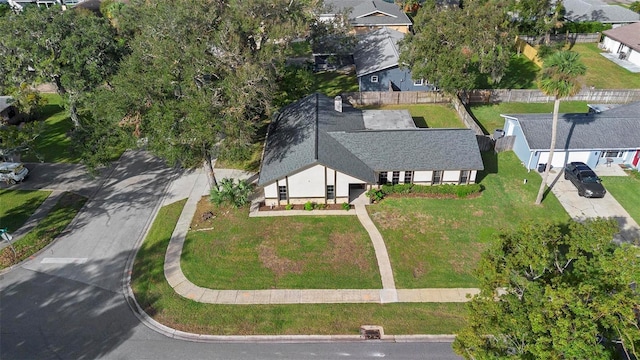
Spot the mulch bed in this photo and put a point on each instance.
(301, 207)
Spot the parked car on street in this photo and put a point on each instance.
(12, 173)
(584, 179)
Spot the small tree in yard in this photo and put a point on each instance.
(559, 78)
(236, 194)
(555, 292)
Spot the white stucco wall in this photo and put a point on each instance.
(307, 183)
(451, 176)
(422, 176)
(634, 57)
(271, 191)
(610, 45)
(342, 184)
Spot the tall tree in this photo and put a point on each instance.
(451, 45)
(555, 292)
(538, 17)
(559, 78)
(201, 74)
(74, 49)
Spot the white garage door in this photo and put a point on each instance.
(560, 158)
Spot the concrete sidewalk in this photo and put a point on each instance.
(194, 185)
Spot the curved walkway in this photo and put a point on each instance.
(195, 185)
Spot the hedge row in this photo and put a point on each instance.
(460, 191)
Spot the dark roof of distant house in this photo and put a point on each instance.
(371, 12)
(618, 128)
(377, 50)
(596, 10)
(5, 102)
(627, 34)
(311, 132)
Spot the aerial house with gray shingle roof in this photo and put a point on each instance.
(608, 137)
(366, 15)
(325, 151)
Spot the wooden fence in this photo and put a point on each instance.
(466, 117)
(504, 143)
(571, 38)
(610, 96)
(396, 97)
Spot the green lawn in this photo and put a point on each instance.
(626, 189)
(160, 301)
(521, 74)
(46, 231)
(602, 73)
(17, 205)
(294, 252)
(332, 83)
(54, 144)
(438, 242)
(429, 115)
(489, 118)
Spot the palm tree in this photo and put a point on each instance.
(559, 78)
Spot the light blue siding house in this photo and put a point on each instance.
(377, 60)
(609, 137)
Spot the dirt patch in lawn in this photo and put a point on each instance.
(279, 265)
(345, 250)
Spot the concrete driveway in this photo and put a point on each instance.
(580, 208)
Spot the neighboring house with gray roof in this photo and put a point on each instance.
(624, 41)
(323, 150)
(596, 10)
(366, 15)
(8, 112)
(377, 61)
(608, 137)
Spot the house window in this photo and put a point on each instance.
(331, 192)
(437, 177)
(374, 78)
(464, 177)
(612, 153)
(408, 177)
(419, 82)
(282, 193)
(395, 178)
(382, 178)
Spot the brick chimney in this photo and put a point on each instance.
(338, 103)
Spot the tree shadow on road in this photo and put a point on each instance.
(46, 315)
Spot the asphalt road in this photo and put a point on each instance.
(68, 301)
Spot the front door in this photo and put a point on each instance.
(636, 158)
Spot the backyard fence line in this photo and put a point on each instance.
(606, 96)
(505, 143)
(491, 96)
(365, 98)
(571, 38)
(465, 115)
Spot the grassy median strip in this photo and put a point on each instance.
(16, 206)
(160, 301)
(437, 242)
(48, 229)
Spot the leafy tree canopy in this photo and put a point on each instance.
(201, 74)
(74, 49)
(451, 45)
(565, 292)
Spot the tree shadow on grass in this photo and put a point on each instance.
(490, 161)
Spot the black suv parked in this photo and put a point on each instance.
(585, 180)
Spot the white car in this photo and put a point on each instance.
(12, 173)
